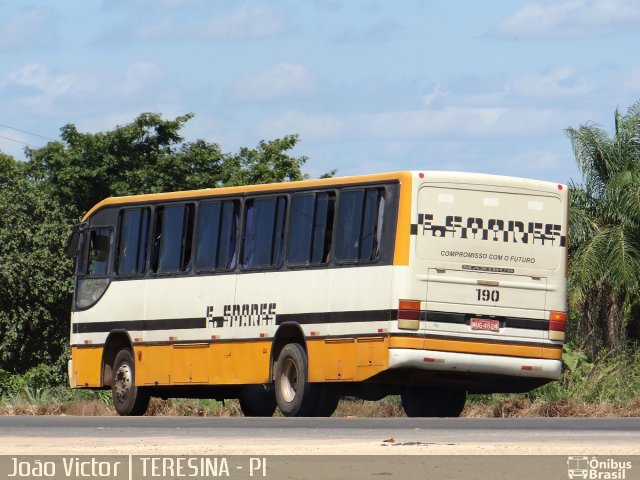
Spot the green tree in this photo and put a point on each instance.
(41, 199)
(604, 231)
(35, 280)
(148, 156)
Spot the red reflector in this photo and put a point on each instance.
(432, 360)
(409, 314)
(558, 326)
(526, 367)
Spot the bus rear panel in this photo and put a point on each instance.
(486, 305)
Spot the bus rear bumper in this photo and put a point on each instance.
(473, 363)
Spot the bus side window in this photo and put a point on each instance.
(93, 254)
(311, 226)
(133, 239)
(216, 235)
(99, 246)
(172, 239)
(359, 226)
(264, 232)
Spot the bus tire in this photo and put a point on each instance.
(293, 391)
(128, 399)
(427, 402)
(256, 401)
(326, 398)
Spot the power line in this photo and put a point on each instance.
(28, 133)
(18, 141)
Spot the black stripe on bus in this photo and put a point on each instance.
(316, 318)
(338, 317)
(140, 325)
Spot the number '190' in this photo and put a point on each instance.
(486, 295)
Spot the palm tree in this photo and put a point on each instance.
(604, 231)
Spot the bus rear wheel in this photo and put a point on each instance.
(293, 391)
(256, 401)
(326, 400)
(428, 402)
(128, 399)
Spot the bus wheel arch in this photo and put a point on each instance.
(290, 371)
(289, 332)
(116, 341)
(119, 373)
(291, 382)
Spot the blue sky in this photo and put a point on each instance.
(369, 85)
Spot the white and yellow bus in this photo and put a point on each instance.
(427, 285)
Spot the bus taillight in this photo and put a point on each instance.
(557, 325)
(409, 314)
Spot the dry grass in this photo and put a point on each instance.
(520, 408)
(517, 407)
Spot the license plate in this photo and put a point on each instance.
(485, 324)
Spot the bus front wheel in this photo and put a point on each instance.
(128, 399)
(427, 402)
(293, 391)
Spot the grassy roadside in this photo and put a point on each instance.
(609, 387)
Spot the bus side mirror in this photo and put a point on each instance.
(74, 239)
(72, 244)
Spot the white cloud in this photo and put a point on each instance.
(40, 90)
(40, 78)
(31, 27)
(380, 31)
(242, 24)
(281, 81)
(570, 18)
(140, 77)
(310, 126)
(449, 122)
(551, 86)
(438, 90)
(558, 83)
(429, 122)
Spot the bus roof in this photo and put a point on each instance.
(247, 189)
(400, 176)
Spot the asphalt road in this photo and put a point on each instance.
(238, 435)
